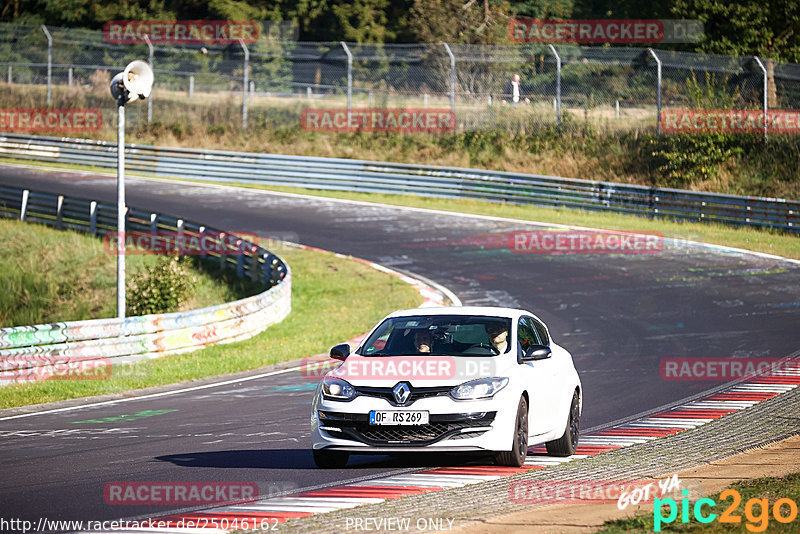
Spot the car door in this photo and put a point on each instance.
(541, 375)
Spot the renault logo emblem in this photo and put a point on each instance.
(401, 392)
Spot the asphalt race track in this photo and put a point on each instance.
(619, 315)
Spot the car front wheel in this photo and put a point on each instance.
(519, 448)
(567, 443)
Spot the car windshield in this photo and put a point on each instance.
(448, 335)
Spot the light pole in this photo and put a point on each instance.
(134, 83)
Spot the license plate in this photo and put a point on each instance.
(398, 417)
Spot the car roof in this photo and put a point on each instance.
(490, 311)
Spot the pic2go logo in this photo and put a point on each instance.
(783, 511)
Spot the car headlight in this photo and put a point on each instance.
(482, 388)
(336, 388)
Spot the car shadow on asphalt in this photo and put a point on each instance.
(302, 459)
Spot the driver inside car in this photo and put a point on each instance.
(498, 334)
(423, 341)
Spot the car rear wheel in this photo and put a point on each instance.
(519, 449)
(330, 459)
(566, 444)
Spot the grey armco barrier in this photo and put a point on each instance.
(58, 350)
(378, 177)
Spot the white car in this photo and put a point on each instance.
(458, 379)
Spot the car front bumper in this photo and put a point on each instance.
(454, 426)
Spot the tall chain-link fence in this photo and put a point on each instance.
(271, 81)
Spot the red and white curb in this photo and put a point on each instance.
(668, 422)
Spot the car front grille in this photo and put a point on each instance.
(416, 393)
(451, 426)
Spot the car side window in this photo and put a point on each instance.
(525, 335)
(541, 332)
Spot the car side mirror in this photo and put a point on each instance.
(340, 352)
(537, 352)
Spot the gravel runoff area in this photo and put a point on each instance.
(764, 423)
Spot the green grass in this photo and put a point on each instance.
(771, 489)
(333, 300)
(49, 275)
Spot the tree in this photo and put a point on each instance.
(769, 28)
(460, 21)
(363, 21)
(544, 9)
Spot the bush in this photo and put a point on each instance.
(685, 159)
(160, 288)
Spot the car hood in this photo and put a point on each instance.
(421, 371)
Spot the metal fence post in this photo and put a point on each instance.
(121, 210)
(349, 80)
(558, 83)
(49, 62)
(191, 86)
(658, 96)
(69, 77)
(766, 89)
(150, 99)
(452, 78)
(244, 83)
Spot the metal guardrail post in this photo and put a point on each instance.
(349, 80)
(59, 211)
(766, 92)
(23, 210)
(558, 83)
(150, 98)
(658, 96)
(181, 239)
(201, 231)
(49, 62)
(452, 78)
(224, 248)
(239, 259)
(244, 82)
(93, 217)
